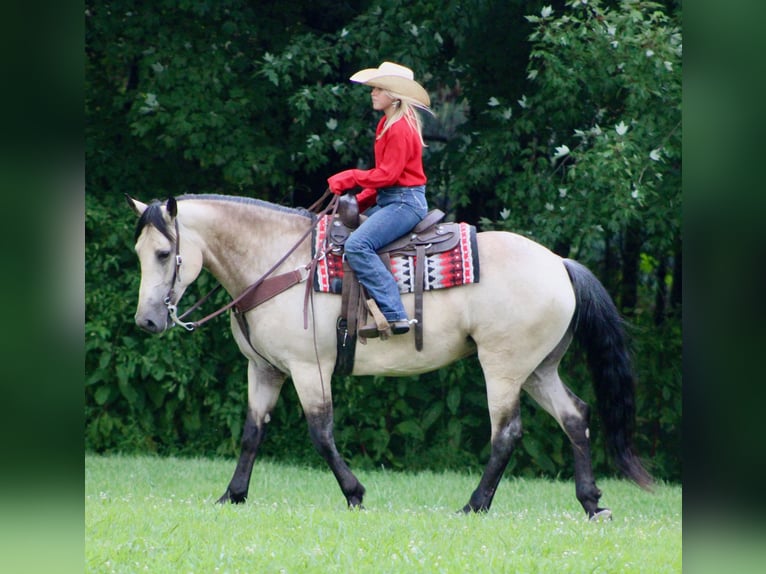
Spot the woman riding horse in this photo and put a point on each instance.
(398, 181)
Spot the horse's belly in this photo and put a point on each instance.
(397, 355)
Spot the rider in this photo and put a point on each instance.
(397, 182)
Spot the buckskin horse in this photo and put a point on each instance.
(519, 319)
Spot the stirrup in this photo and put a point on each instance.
(369, 331)
(400, 327)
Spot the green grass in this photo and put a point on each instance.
(158, 515)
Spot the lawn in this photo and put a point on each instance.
(149, 514)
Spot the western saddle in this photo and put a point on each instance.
(430, 236)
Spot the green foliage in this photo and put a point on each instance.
(597, 144)
(561, 123)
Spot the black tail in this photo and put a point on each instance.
(598, 327)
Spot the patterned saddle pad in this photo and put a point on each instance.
(458, 266)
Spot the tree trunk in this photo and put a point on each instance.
(676, 288)
(661, 297)
(609, 269)
(631, 255)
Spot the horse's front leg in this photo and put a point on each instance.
(320, 422)
(264, 384)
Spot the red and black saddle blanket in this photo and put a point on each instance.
(458, 266)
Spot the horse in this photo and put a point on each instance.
(520, 319)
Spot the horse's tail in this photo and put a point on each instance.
(598, 327)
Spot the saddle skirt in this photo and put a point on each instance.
(451, 255)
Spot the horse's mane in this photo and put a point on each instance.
(249, 201)
(153, 213)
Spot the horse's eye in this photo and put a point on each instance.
(163, 255)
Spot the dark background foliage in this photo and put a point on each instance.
(560, 121)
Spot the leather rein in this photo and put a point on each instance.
(264, 288)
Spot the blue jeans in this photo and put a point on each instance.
(399, 209)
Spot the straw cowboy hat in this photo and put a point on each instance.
(395, 78)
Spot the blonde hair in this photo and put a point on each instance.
(406, 109)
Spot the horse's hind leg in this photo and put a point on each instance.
(572, 413)
(506, 430)
(505, 418)
(264, 384)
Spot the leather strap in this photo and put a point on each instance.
(242, 322)
(268, 288)
(420, 266)
(386, 259)
(350, 297)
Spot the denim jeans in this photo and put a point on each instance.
(399, 209)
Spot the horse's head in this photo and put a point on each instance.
(169, 264)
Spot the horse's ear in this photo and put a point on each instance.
(135, 205)
(172, 206)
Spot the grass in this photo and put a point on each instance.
(145, 514)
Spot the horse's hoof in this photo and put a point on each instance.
(601, 515)
(229, 497)
(468, 509)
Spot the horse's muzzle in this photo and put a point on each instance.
(152, 323)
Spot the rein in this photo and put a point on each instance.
(262, 289)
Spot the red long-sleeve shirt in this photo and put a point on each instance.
(398, 162)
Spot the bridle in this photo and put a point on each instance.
(172, 307)
(264, 288)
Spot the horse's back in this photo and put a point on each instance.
(500, 249)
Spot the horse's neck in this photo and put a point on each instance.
(241, 241)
